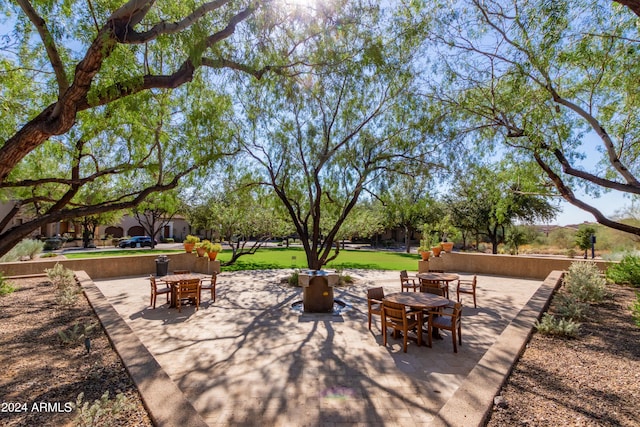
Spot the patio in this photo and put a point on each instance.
(251, 359)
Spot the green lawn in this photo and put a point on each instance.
(271, 258)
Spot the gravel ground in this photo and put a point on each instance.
(592, 380)
(41, 376)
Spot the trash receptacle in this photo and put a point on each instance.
(162, 265)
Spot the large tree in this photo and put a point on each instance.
(324, 138)
(556, 81)
(489, 199)
(95, 92)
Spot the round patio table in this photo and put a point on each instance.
(173, 279)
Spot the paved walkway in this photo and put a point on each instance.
(250, 359)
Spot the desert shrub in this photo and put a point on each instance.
(77, 333)
(627, 271)
(635, 309)
(102, 412)
(293, 279)
(65, 282)
(570, 307)
(5, 286)
(585, 282)
(60, 276)
(550, 325)
(27, 248)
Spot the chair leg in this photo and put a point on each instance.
(405, 338)
(474, 300)
(369, 321)
(213, 293)
(455, 341)
(429, 332)
(153, 300)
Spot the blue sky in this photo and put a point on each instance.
(608, 204)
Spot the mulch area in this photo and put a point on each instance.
(592, 380)
(41, 375)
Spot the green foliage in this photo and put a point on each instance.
(60, 276)
(550, 325)
(635, 309)
(627, 271)
(293, 279)
(26, 248)
(585, 281)
(77, 333)
(191, 239)
(102, 412)
(583, 237)
(5, 286)
(67, 290)
(569, 306)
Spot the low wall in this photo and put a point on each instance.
(116, 266)
(501, 265)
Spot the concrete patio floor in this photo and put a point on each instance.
(250, 359)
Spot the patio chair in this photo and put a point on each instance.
(436, 287)
(448, 318)
(374, 302)
(397, 317)
(467, 287)
(407, 283)
(433, 289)
(209, 284)
(188, 289)
(155, 291)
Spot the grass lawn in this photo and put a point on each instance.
(272, 258)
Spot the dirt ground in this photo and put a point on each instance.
(41, 376)
(593, 380)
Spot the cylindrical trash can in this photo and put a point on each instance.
(162, 265)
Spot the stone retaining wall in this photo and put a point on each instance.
(116, 266)
(502, 265)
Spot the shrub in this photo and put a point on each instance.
(635, 309)
(77, 333)
(102, 412)
(625, 272)
(60, 276)
(561, 327)
(65, 282)
(293, 279)
(5, 286)
(569, 306)
(26, 248)
(585, 282)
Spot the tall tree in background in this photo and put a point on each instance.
(555, 81)
(322, 139)
(495, 198)
(156, 212)
(97, 95)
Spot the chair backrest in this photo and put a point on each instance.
(214, 277)
(457, 311)
(432, 290)
(375, 293)
(394, 311)
(154, 284)
(404, 275)
(188, 288)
